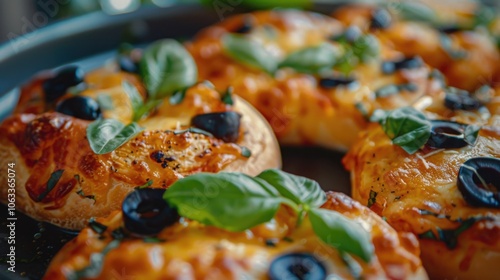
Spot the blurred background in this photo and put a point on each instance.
(19, 17)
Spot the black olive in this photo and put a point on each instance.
(478, 182)
(450, 28)
(225, 125)
(457, 99)
(389, 67)
(335, 81)
(381, 19)
(297, 266)
(146, 213)
(127, 64)
(81, 107)
(447, 134)
(65, 78)
(246, 26)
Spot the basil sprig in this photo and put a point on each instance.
(249, 52)
(139, 107)
(236, 202)
(406, 127)
(361, 50)
(108, 134)
(166, 66)
(312, 60)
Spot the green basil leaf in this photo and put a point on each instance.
(470, 134)
(106, 135)
(146, 108)
(342, 233)
(407, 128)
(312, 59)
(298, 189)
(366, 48)
(231, 201)
(227, 96)
(166, 66)
(249, 52)
(413, 11)
(51, 183)
(135, 99)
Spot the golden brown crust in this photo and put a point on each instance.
(406, 184)
(94, 185)
(204, 252)
(480, 54)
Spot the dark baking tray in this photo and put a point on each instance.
(88, 41)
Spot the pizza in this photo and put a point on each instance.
(63, 180)
(280, 248)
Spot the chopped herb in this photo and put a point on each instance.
(178, 96)
(361, 50)
(51, 183)
(227, 96)
(152, 240)
(95, 264)
(449, 236)
(288, 239)
(145, 185)
(447, 45)
(245, 152)
(96, 226)
(271, 242)
(360, 106)
(82, 194)
(372, 199)
(105, 101)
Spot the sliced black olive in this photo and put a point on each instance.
(478, 182)
(225, 125)
(297, 266)
(127, 64)
(381, 19)
(246, 26)
(447, 134)
(146, 213)
(81, 107)
(450, 28)
(389, 67)
(332, 82)
(457, 99)
(65, 78)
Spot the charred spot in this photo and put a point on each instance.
(157, 156)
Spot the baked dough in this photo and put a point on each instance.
(202, 252)
(41, 142)
(418, 193)
(299, 110)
